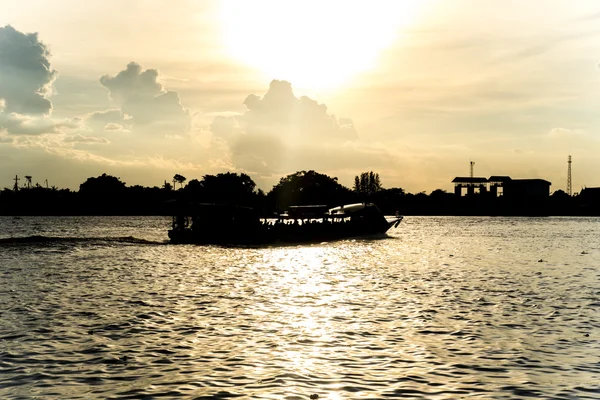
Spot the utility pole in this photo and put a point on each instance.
(16, 187)
(569, 189)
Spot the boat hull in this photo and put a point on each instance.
(268, 234)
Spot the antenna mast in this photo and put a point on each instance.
(569, 189)
(472, 165)
(16, 187)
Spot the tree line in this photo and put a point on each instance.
(109, 195)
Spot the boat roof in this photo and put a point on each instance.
(307, 211)
(196, 208)
(320, 210)
(348, 208)
(309, 207)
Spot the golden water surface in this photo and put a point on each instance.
(444, 308)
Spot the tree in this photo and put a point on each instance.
(308, 188)
(179, 179)
(193, 188)
(103, 195)
(560, 194)
(367, 183)
(225, 188)
(439, 194)
(390, 200)
(167, 186)
(103, 184)
(562, 203)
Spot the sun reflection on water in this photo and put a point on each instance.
(309, 295)
(455, 308)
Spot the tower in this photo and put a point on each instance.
(569, 190)
(472, 165)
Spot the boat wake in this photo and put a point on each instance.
(49, 240)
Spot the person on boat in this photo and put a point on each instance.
(180, 222)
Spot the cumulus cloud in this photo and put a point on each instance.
(19, 124)
(281, 113)
(263, 138)
(132, 82)
(26, 78)
(26, 75)
(145, 101)
(227, 127)
(262, 154)
(112, 120)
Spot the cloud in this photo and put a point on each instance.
(577, 141)
(112, 115)
(145, 101)
(85, 139)
(227, 127)
(65, 150)
(111, 120)
(111, 126)
(589, 17)
(26, 79)
(5, 139)
(19, 124)
(132, 82)
(26, 76)
(264, 138)
(560, 133)
(262, 154)
(281, 113)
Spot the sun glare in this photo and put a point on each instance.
(312, 43)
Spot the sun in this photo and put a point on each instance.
(312, 43)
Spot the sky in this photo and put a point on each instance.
(411, 89)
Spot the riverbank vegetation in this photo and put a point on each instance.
(108, 195)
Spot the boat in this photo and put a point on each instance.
(234, 225)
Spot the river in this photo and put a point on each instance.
(443, 308)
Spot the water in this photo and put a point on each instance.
(445, 308)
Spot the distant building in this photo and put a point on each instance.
(527, 188)
(590, 196)
(469, 182)
(502, 186)
(497, 184)
(589, 201)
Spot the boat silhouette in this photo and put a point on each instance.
(205, 223)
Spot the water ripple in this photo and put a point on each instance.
(448, 308)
